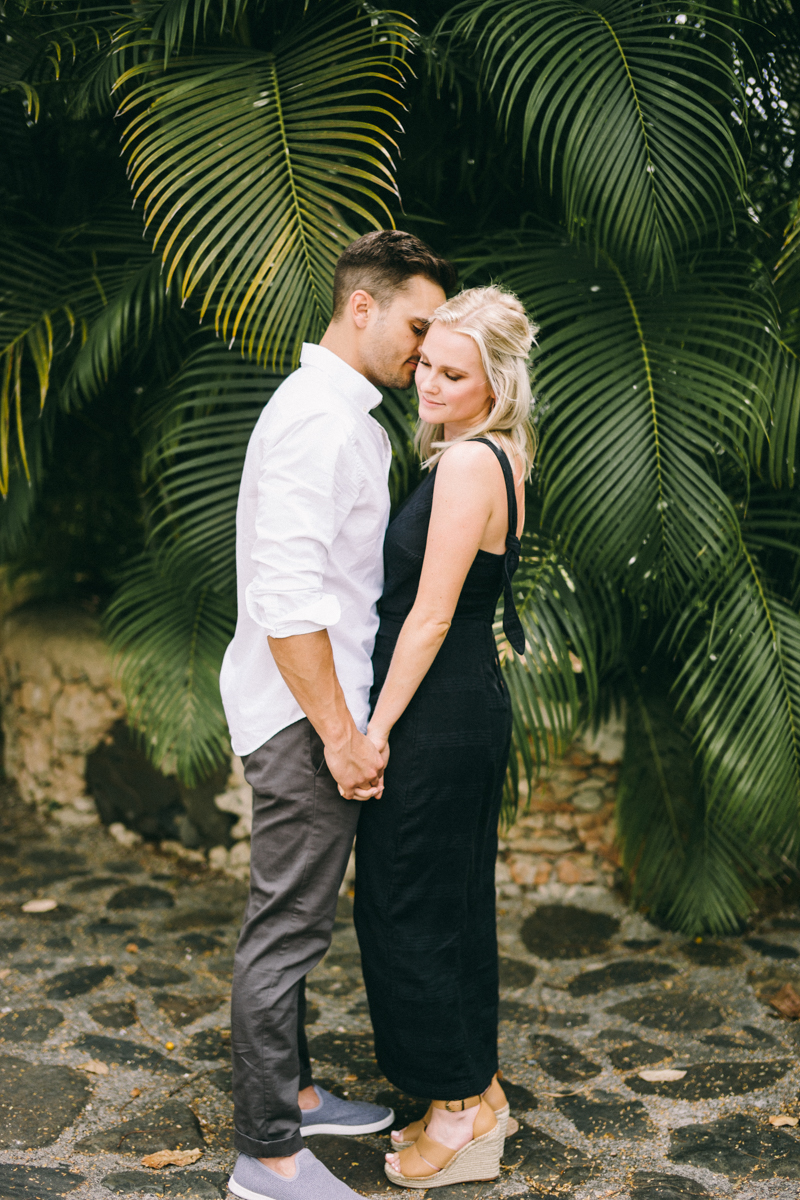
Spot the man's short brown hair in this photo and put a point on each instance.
(381, 262)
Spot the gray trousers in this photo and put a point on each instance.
(302, 836)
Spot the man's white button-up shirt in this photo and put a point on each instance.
(312, 513)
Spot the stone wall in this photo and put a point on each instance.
(565, 833)
(62, 706)
(59, 700)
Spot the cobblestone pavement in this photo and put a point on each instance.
(115, 1036)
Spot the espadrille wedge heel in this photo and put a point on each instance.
(428, 1164)
(494, 1096)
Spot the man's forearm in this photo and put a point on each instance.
(306, 663)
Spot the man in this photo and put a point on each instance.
(313, 508)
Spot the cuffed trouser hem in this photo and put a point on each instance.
(280, 1149)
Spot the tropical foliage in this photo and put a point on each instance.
(629, 168)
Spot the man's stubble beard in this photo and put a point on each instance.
(382, 369)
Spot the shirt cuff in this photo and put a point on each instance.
(282, 615)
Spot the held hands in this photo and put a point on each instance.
(357, 766)
(381, 743)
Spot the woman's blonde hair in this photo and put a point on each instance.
(499, 326)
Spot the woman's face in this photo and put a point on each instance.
(451, 383)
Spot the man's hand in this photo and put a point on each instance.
(357, 766)
(381, 743)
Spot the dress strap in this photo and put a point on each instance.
(512, 626)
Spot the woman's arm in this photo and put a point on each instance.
(464, 496)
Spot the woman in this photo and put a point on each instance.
(426, 848)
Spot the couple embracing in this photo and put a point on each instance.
(396, 726)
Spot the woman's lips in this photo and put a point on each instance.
(433, 403)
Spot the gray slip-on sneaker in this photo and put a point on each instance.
(333, 1115)
(312, 1181)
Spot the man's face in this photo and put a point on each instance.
(391, 340)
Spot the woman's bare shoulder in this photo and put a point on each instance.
(467, 459)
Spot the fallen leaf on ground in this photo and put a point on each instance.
(783, 1121)
(786, 1002)
(171, 1158)
(665, 1075)
(6, 971)
(37, 906)
(94, 1066)
(136, 1092)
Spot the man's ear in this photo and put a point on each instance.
(361, 305)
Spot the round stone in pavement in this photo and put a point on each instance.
(712, 954)
(619, 974)
(115, 1014)
(199, 1185)
(541, 1159)
(563, 931)
(520, 1099)
(406, 1108)
(638, 1053)
(200, 942)
(516, 974)
(141, 896)
(354, 1162)
(737, 1146)
(604, 1115)
(94, 883)
(21, 1182)
(520, 1014)
(560, 1060)
(707, 1081)
(183, 1010)
(77, 982)
(677, 1012)
(154, 974)
(565, 1020)
(353, 1050)
(124, 1183)
(29, 1024)
(128, 1054)
(209, 1044)
(772, 949)
(653, 1185)
(204, 1185)
(173, 1126)
(38, 1102)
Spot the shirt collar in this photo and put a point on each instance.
(346, 379)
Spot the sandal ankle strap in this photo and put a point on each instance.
(457, 1105)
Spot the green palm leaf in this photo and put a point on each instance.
(198, 440)
(640, 393)
(572, 631)
(247, 160)
(629, 108)
(170, 634)
(47, 296)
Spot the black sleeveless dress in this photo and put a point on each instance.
(426, 851)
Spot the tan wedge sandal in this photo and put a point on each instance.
(428, 1164)
(494, 1096)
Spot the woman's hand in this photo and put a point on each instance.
(380, 741)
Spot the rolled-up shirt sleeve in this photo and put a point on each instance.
(307, 484)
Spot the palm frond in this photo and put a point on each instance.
(47, 295)
(247, 160)
(740, 687)
(199, 438)
(572, 631)
(786, 416)
(640, 393)
(169, 634)
(629, 107)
